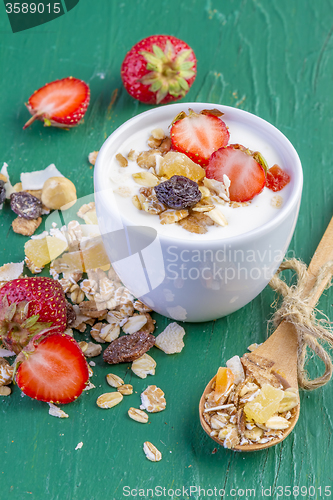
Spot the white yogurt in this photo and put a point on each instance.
(240, 220)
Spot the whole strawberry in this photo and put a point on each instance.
(28, 306)
(159, 69)
(61, 103)
(52, 368)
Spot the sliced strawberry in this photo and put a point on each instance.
(277, 178)
(246, 175)
(27, 306)
(198, 135)
(61, 103)
(52, 369)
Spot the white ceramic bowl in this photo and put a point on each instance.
(195, 278)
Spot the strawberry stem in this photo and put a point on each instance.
(32, 119)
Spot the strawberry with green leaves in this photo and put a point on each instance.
(29, 306)
(61, 103)
(52, 368)
(159, 69)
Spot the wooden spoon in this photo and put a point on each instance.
(281, 347)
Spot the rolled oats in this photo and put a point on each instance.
(217, 216)
(26, 227)
(92, 350)
(109, 332)
(138, 415)
(145, 179)
(5, 390)
(141, 307)
(152, 452)
(135, 323)
(114, 380)
(144, 366)
(153, 400)
(125, 389)
(171, 339)
(109, 399)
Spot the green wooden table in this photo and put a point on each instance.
(274, 59)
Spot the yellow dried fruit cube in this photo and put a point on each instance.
(41, 251)
(264, 405)
(174, 163)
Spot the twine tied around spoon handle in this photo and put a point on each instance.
(299, 310)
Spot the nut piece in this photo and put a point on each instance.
(121, 160)
(153, 399)
(25, 226)
(126, 389)
(171, 339)
(6, 372)
(114, 380)
(128, 348)
(144, 366)
(138, 415)
(58, 192)
(92, 157)
(152, 452)
(109, 399)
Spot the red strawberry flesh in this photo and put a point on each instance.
(61, 103)
(246, 175)
(55, 371)
(198, 136)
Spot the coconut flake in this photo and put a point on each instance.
(54, 411)
(35, 180)
(8, 187)
(11, 271)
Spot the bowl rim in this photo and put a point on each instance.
(246, 117)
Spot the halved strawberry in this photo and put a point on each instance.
(277, 178)
(52, 368)
(199, 135)
(61, 103)
(28, 306)
(246, 175)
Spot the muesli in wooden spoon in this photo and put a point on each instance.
(253, 402)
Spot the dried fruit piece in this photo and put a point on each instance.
(42, 251)
(276, 178)
(171, 339)
(174, 163)
(25, 205)
(152, 452)
(58, 192)
(264, 405)
(153, 399)
(138, 415)
(224, 380)
(143, 366)
(128, 348)
(109, 399)
(178, 192)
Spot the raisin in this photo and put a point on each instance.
(26, 205)
(2, 192)
(178, 192)
(128, 348)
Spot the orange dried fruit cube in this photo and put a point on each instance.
(224, 379)
(264, 405)
(174, 163)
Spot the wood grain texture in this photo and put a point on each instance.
(274, 59)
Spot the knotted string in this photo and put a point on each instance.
(295, 309)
